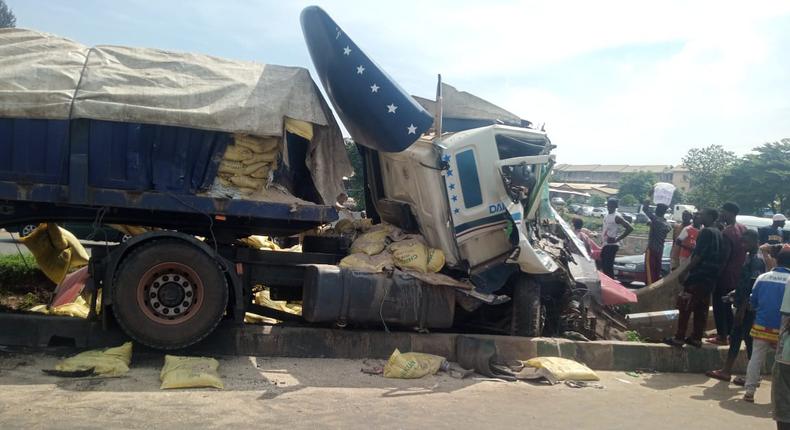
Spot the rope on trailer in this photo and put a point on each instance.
(19, 250)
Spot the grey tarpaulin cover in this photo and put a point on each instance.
(49, 77)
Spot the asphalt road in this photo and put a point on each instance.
(7, 245)
(291, 393)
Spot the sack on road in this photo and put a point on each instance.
(412, 365)
(190, 372)
(110, 362)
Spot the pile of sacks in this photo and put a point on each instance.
(248, 164)
(384, 246)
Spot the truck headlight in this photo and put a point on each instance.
(629, 266)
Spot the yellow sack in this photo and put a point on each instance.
(367, 263)
(345, 226)
(266, 157)
(79, 308)
(237, 153)
(435, 260)
(263, 298)
(299, 128)
(256, 144)
(109, 362)
(371, 243)
(251, 318)
(412, 365)
(131, 230)
(259, 242)
(246, 182)
(410, 254)
(563, 369)
(261, 171)
(230, 167)
(56, 251)
(363, 224)
(190, 372)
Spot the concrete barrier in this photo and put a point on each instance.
(39, 331)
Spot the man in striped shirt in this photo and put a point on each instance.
(766, 302)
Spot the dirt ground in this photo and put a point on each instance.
(329, 393)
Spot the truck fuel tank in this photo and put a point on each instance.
(332, 294)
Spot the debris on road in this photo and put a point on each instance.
(190, 372)
(555, 370)
(110, 362)
(412, 365)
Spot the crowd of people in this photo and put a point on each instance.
(743, 274)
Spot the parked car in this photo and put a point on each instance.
(753, 222)
(557, 201)
(574, 208)
(586, 211)
(641, 218)
(630, 269)
(80, 230)
(599, 212)
(628, 216)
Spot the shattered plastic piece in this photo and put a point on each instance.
(583, 384)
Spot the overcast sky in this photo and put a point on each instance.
(614, 81)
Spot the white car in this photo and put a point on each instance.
(586, 210)
(599, 212)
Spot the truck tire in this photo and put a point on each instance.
(169, 294)
(528, 315)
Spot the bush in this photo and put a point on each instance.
(16, 268)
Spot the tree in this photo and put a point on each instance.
(356, 183)
(707, 167)
(629, 200)
(597, 200)
(760, 179)
(7, 18)
(636, 184)
(678, 198)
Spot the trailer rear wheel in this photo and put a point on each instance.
(169, 294)
(528, 313)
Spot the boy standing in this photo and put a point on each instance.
(767, 296)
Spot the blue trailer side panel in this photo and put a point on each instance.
(139, 157)
(34, 150)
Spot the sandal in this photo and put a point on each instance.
(739, 381)
(671, 341)
(717, 341)
(748, 397)
(718, 374)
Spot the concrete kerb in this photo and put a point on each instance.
(299, 341)
(598, 355)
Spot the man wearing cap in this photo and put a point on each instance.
(775, 233)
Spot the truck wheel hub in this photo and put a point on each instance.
(170, 293)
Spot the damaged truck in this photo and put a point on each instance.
(204, 152)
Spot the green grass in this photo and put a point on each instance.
(15, 268)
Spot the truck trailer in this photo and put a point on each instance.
(114, 135)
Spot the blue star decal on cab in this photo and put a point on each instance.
(455, 198)
(452, 186)
(446, 158)
(456, 210)
(377, 112)
(449, 172)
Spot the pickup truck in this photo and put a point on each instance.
(477, 190)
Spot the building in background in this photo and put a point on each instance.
(607, 176)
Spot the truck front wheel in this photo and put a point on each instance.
(169, 294)
(528, 314)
